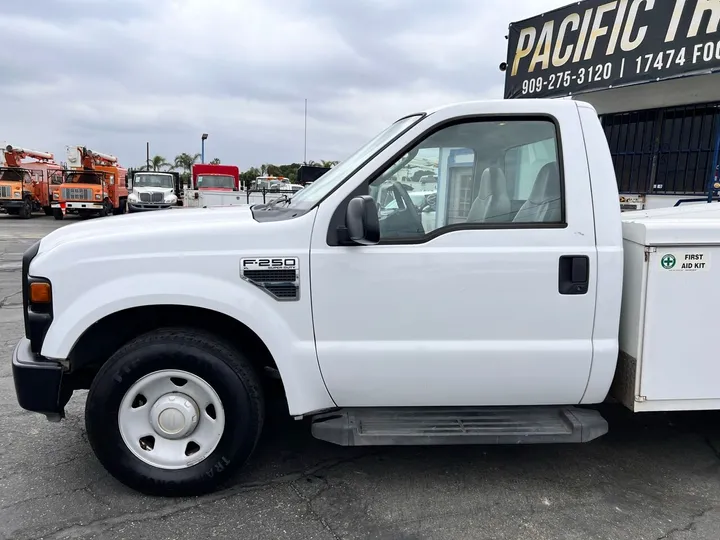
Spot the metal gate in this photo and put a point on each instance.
(664, 151)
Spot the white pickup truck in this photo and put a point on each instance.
(496, 318)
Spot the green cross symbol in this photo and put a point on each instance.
(668, 262)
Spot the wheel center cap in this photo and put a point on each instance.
(174, 416)
(171, 421)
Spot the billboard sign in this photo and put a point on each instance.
(596, 44)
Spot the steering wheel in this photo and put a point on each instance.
(400, 192)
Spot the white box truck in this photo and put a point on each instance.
(490, 315)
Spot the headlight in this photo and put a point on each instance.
(171, 199)
(132, 197)
(98, 196)
(16, 195)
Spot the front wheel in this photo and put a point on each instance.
(175, 412)
(121, 208)
(58, 213)
(26, 209)
(107, 209)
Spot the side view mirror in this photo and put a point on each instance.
(361, 221)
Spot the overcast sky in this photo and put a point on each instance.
(113, 74)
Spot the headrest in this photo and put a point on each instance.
(492, 182)
(547, 184)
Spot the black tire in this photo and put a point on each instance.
(57, 213)
(107, 209)
(48, 210)
(220, 365)
(122, 208)
(26, 209)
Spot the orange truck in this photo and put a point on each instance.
(95, 184)
(25, 187)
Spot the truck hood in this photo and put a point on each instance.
(169, 225)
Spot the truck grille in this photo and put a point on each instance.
(77, 194)
(151, 197)
(5, 192)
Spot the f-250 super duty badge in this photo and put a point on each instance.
(277, 276)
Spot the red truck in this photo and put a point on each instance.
(217, 177)
(214, 185)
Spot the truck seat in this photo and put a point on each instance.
(544, 204)
(492, 203)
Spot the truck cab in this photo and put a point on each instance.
(214, 185)
(25, 186)
(215, 177)
(94, 185)
(485, 311)
(153, 190)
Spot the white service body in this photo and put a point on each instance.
(668, 356)
(206, 198)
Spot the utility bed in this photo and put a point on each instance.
(668, 355)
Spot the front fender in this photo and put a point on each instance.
(285, 328)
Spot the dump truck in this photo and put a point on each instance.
(95, 184)
(25, 186)
(521, 301)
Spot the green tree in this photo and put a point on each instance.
(249, 176)
(185, 161)
(215, 161)
(159, 163)
(327, 163)
(273, 170)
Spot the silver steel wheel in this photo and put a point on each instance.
(171, 419)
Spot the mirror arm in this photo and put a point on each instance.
(343, 237)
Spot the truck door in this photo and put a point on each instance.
(482, 288)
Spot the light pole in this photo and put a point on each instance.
(202, 149)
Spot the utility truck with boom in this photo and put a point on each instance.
(95, 184)
(501, 318)
(25, 186)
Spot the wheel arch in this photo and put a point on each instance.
(101, 339)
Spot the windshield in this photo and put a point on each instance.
(338, 174)
(215, 181)
(154, 180)
(14, 175)
(84, 177)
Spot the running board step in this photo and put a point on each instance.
(441, 426)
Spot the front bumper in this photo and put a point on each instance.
(37, 382)
(82, 205)
(12, 203)
(146, 207)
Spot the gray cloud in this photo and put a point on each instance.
(113, 74)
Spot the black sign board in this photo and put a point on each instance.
(310, 173)
(599, 44)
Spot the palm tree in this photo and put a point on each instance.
(158, 163)
(327, 163)
(185, 161)
(215, 161)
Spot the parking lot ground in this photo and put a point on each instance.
(652, 477)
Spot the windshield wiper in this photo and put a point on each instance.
(280, 199)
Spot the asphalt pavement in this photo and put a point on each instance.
(652, 477)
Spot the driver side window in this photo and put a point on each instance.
(482, 172)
